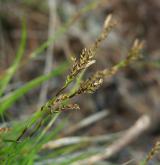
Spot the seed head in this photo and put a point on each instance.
(91, 84)
(70, 107)
(107, 27)
(87, 56)
(86, 59)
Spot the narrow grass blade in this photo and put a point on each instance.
(10, 72)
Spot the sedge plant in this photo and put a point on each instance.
(28, 140)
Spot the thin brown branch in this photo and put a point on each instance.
(80, 139)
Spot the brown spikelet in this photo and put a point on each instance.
(91, 84)
(57, 104)
(154, 151)
(86, 59)
(70, 107)
(60, 98)
(133, 54)
(108, 26)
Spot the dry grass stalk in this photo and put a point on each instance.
(141, 125)
(80, 139)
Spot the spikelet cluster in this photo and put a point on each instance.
(134, 54)
(86, 59)
(60, 103)
(95, 81)
(87, 56)
(92, 83)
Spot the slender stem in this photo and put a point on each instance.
(48, 126)
(62, 89)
